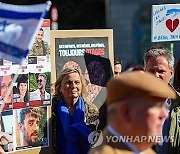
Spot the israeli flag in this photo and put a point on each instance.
(19, 25)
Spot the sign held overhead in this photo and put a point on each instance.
(165, 23)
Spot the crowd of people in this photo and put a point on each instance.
(140, 104)
(141, 113)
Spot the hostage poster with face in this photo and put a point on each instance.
(90, 51)
(31, 89)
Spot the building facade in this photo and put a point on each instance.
(131, 23)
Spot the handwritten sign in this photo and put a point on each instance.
(165, 22)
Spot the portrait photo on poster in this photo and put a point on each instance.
(32, 128)
(6, 91)
(40, 47)
(40, 89)
(21, 92)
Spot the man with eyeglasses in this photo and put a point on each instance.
(6, 88)
(159, 61)
(40, 93)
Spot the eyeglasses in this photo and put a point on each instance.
(4, 86)
(40, 80)
(162, 105)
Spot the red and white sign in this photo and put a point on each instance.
(46, 23)
(165, 22)
(54, 14)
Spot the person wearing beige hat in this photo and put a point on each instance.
(136, 111)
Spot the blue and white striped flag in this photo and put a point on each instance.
(19, 25)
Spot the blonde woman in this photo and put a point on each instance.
(74, 118)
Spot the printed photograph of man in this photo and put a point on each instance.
(40, 93)
(6, 91)
(31, 125)
(40, 47)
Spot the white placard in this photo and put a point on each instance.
(165, 22)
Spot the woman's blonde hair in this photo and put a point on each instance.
(62, 74)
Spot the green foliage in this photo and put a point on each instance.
(43, 124)
(48, 82)
(32, 82)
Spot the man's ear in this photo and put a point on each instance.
(20, 126)
(125, 112)
(172, 72)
